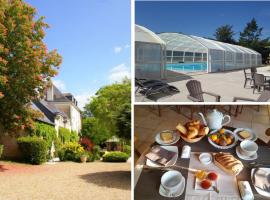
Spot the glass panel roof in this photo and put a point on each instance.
(181, 42)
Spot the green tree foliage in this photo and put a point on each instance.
(225, 34)
(94, 130)
(251, 38)
(108, 106)
(26, 65)
(251, 33)
(123, 122)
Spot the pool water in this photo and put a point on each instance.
(188, 67)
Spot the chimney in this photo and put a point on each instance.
(49, 95)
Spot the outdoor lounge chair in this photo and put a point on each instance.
(259, 82)
(248, 77)
(264, 97)
(144, 82)
(150, 87)
(196, 92)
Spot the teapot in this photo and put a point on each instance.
(214, 119)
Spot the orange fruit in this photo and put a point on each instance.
(214, 137)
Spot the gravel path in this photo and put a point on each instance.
(65, 180)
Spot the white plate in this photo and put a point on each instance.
(176, 137)
(238, 152)
(164, 193)
(222, 147)
(171, 162)
(261, 192)
(198, 185)
(253, 137)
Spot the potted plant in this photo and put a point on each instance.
(83, 157)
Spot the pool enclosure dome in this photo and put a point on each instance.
(181, 50)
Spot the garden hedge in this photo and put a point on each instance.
(115, 156)
(34, 149)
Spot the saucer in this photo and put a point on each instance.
(253, 157)
(163, 192)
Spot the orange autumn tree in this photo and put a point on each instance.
(26, 65)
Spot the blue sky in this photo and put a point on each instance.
(93, 38)
(201, 18)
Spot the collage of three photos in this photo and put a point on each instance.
(134, 100)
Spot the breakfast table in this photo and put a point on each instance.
(147, 180)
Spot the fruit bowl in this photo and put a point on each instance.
(222, 139)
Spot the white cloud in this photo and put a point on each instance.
(117, 49)
(60, 85)
(119, 72)
(83, 99)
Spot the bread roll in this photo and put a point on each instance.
(204, 131)
(182, 129)
(192, 132)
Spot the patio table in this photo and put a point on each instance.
(147, 181)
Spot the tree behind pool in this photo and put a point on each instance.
(26, 65)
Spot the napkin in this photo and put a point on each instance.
(160, 155)
(262, 179)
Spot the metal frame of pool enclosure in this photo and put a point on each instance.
(155, 52)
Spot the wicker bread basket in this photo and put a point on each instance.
(192, 140)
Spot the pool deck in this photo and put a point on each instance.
(226, 84)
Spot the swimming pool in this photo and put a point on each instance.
(187, 67)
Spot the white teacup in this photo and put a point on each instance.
(171, 181)
(248, 148)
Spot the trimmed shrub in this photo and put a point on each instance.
(34, 149)
(127, 150)
(115, 156)
(70, 151)
(1, 149)
(64, 135)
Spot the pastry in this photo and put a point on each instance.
(192, 132)
(166, 137)
(228, 163)
(203, 131)
(244, 134)
(182, 129)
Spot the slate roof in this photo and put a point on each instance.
(49, 110)
(44, 119)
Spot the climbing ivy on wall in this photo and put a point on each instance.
(45, 131)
